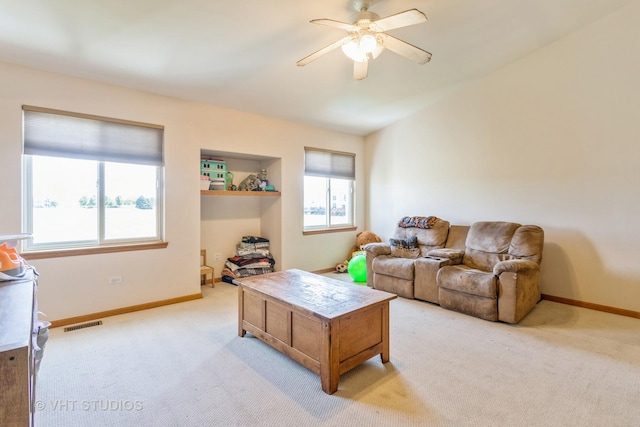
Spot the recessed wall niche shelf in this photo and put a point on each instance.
(239, 193)
(226, 216)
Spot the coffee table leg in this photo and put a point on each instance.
(329, 358)
(385, 333)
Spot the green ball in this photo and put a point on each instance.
(357, 268)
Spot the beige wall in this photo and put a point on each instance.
(78, 285)
(550, 140)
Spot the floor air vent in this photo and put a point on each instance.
(83, 325)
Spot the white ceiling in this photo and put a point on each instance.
(242, 54)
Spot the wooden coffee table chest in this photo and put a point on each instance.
(327, 325)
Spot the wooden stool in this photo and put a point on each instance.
(205, 270)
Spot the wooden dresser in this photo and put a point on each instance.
(18, 320)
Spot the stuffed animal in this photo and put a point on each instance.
(248, 184)
(362, 239)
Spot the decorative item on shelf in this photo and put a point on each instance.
(215, 169)
(228, 182)
(263, 181)
(249, 183)
(217, 184)
(270, 188)
(204, 182)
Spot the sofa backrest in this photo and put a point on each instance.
(457, 236)
(428, 238)
(490, 242)
(527, 243)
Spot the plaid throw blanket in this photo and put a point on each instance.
(418, 221)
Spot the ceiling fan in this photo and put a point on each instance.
(367, 38)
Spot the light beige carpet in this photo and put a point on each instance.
(184, 365)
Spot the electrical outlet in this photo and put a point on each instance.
(217, 257)
(115, 280)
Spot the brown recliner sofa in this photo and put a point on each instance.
(413, 277)
(497, 277)
(489, 270)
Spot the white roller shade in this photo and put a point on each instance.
(63, 134)
(329, 164)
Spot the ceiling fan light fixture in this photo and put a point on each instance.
(378, 49)
(367, 37)
(353, 50)
(368, 43)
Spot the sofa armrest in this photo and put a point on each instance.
(378, 249)
(454, 256)
(514, 266)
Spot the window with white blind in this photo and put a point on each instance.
(90, 181)
(329, 184)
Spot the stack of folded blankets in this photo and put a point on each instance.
(252, 258)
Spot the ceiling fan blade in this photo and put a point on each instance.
(405, 49)
(337, 24)
(360, 69)
(327, 49)
(402, 19)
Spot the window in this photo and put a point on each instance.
(90, 181)
(329, 180)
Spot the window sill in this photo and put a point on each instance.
(92, 251)
(328, 230)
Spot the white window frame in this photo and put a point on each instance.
(143, 155)
(331, 164)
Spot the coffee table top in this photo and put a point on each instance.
(319, 295)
